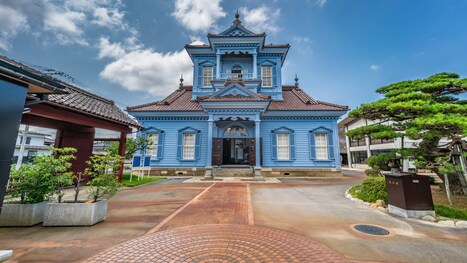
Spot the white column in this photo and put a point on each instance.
(255, 66)
(209, 149)
(218, 65)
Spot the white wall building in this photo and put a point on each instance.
(34, 143)
(359, 150)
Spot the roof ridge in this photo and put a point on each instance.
(333, 104)
(81, 90)
(303, 96)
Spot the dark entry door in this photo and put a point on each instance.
(216, 151)
(252, 151)
(235, 151)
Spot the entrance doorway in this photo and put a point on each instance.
(235, 151)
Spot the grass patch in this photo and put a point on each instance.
(440, 198)
(447, 211)
(135, 182)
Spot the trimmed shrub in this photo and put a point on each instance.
(371, 189)
(373, 172)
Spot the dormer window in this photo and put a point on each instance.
(207, 76)
(266, 73)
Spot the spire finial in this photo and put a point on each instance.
(237, 21)
(296, 80)
(181, 81)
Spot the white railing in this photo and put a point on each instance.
(236, 75)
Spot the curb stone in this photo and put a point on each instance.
(444, 223)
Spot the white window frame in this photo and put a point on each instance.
(321, 146)
(267, 78)
(151, 148)
(283, 146)
(188, 146)
(206, 76)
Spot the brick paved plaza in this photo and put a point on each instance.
(219, 243)
(297, 220)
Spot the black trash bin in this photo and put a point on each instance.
(409, 195)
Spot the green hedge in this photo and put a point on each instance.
(370, 190)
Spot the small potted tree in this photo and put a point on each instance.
(33, 185)
(102, 185)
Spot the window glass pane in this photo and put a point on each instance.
(321, 144)
(267, 76)
(151, 149)
(189, 146)
(283, 148)
(207, 76)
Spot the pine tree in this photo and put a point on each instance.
(430, 110)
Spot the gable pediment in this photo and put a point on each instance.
(234, 90)
(237, 31)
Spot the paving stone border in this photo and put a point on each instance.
(438, 222)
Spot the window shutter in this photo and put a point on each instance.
(197, 146)
(312, 146)
(273, 146)
(330, 146)
(160, 146)
(292, 145)
(179, 146)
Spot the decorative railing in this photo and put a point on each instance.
(236, 75)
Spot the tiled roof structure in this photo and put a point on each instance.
(78, 99)
(179, 100)
(84, 101)
(295, 99)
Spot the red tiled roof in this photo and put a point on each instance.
(295, 99)
(179, 100)
(87, 102)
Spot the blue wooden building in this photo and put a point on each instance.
(238, 118)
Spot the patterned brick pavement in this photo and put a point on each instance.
(219, 243)
(223, 203)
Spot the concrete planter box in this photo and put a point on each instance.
(22, 214)
(75, 214)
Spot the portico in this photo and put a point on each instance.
(233, 132)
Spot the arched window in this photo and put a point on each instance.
(235, 131)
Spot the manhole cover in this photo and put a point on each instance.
(372, 230)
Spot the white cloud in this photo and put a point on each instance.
(65, 21)
(198, 15)
(11, 22)
(303, 44)
(321, 3)
(375, 67)
(149, 71)
(111, 50)
(261, 19)
(65, 25)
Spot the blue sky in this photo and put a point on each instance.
(342, 50)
